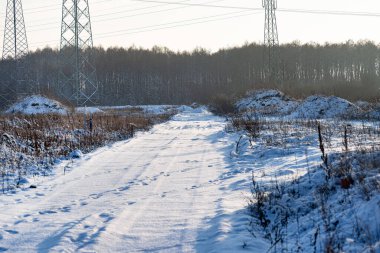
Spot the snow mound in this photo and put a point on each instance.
(267, 102)
(37, 105)
(184, 108)
(198, 109)
(364, 105)
(320, 107)
(76, 154)
(157, 109)
(91, 110)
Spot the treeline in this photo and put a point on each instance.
(160, 76)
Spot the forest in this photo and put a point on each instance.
(160, 76)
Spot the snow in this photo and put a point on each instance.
(184, 186)
(301, 204)
(37, 104)
(89, 110)
(318, 107)
(364, 105)
(273, 103)
(149, 109)
(157, 109)
(267, 102)
(76, 154)
(168, 190)
(375, 113)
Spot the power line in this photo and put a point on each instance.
(175, 26)
(176, 22)
(56, 6)
(115, 18)
(184, 5)
(142, 8)
(166, 26)
(77, 76)
(332, 12)
(271, 40)
(15, 46)
(329, 12)
(200, 5)
(345, 13)
(118, 12)
(129, 31)
(307, 11)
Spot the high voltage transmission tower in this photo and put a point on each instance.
(15, 48)
(271, 41)
(77, 78)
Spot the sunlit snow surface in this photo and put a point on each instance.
(274, 103)
(172, 189)
(181, 187)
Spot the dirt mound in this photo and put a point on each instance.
(37, 105)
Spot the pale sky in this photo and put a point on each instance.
(126, 23)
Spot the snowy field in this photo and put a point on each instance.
(199, 183)
(171, 189)
(308, 201)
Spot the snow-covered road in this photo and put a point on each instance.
(159, 192)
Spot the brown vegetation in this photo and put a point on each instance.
(30, 145)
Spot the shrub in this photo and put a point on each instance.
(223, 104)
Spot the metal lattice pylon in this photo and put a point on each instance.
(15, 48)
(77, 78)
(271, 40)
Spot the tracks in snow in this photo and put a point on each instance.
(153, 193)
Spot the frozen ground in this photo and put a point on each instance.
(304, 204)
(173, 189)
(185, 185)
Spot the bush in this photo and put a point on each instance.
(223, 105)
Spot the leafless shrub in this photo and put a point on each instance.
(222, 104)
(257, 203)
(250, 124)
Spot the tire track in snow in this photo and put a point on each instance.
(153, 197)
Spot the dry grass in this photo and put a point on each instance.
(29, 145)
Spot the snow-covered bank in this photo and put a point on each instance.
(308, 204)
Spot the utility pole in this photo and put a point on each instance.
(271, 41)
(77, 78)
(15, 48)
